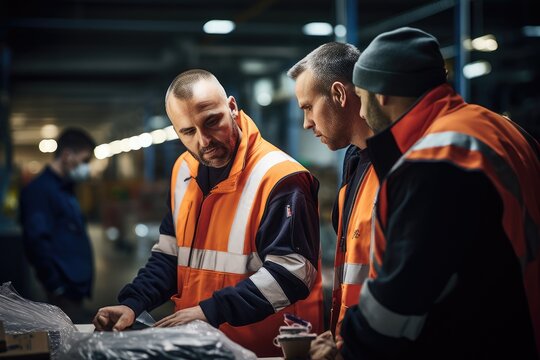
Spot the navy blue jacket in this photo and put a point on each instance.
(55, 237)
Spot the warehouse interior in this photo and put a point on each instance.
(104, 65)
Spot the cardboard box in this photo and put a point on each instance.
(34, 346)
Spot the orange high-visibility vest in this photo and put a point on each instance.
(474, 138)
(352, 261)
(216, 235)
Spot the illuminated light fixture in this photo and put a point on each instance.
(476, 69)
(145, 139)
(219, 26)
(102, 151)
(317, 29)
(132, 143)
(531, 31)
(340, 30)
(486, 43)
(47, 145)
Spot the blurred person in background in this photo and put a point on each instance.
(457, 215)
(54, 230)
(326, 94)
(239, 246)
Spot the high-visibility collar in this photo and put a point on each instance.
(386, 147)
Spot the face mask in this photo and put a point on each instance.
(80, 173)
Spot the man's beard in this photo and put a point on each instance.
(227, 150)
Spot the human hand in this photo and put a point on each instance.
(182, 317)
(324, 348)
(114, 318)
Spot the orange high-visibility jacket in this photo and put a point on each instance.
(216, 235)
(352, 259)
(473, 138)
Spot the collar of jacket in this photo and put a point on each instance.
(386, 147)
(251, 137)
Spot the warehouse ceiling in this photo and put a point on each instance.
(105, 64)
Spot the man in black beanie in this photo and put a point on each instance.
(458, 211)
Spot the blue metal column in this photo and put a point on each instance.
(346, 15)
(6, 147)
(462, 27)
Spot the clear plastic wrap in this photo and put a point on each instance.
(21, 315)
(196, 340)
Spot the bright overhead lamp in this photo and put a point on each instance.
(318, 29)
(476, 69)
(219, 26)
(486, 43)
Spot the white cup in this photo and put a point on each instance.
(294, 346)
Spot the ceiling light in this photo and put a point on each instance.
(476, 69)
(532, 31)
(318, 29)
(219, 27)
(486, 43)
(47, 145)
(102, 151)
(340, 30)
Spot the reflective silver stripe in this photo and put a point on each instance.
(385, 321)
(297, 265)
(249, 193)
(180, 189)
(166, 245)
(270, 288)
(503, 171)
(355, 274)
(219, 261)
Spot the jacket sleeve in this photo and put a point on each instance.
(156, 281)
(37, 220)
(428, 224)
(288, 244)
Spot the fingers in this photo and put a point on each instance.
(115, 318)
(101, 320)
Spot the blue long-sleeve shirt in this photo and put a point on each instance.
(55, 237)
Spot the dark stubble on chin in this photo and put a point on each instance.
(228, 150)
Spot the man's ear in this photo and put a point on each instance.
(339, 93)
(231, 101)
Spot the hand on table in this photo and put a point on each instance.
(182, 317)
(114, 318)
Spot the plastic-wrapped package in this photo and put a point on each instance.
(21, 315)
(195, 340)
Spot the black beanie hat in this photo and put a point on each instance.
(402, 62)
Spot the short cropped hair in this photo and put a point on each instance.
(74, 139)
(329, 62)
(182, 85)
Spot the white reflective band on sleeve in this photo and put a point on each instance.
(270, 288)
(167, 245)
(387, 322)
(297, 265)
(180, 189)
(219, 261)
(355, 273)
(238, 228)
